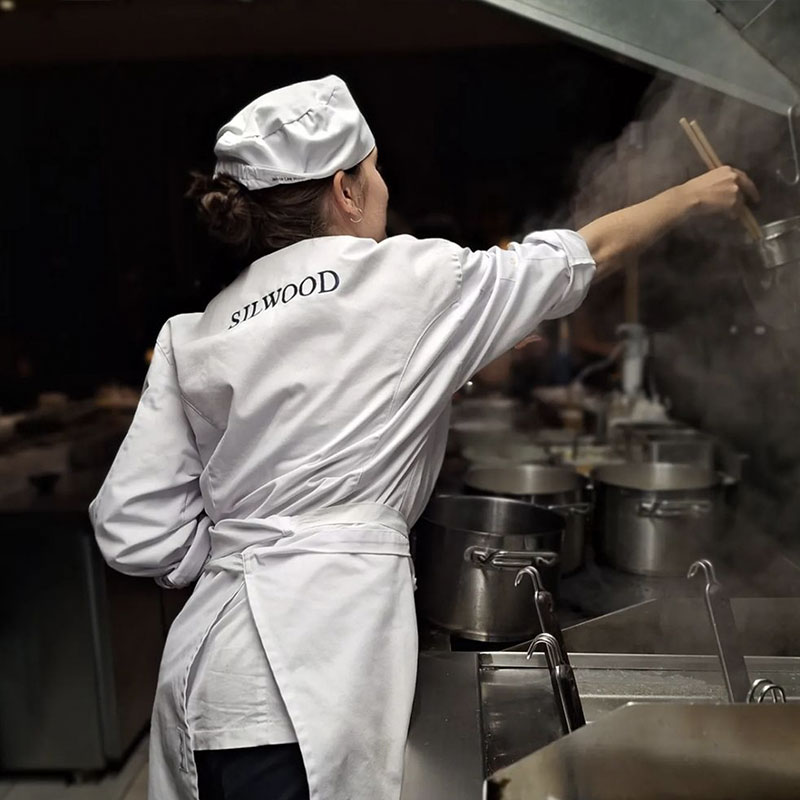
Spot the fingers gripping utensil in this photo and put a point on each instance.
(565, 690)
(710, 158)
(726, 636)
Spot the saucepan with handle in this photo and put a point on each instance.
(559, 489)
(468, 550)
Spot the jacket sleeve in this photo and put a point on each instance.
(505, 294)
(149, 517)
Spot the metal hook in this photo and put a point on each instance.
(550, 646)
(536, 578)
(545, 607)
(565, 690)
(759, 688)
(708, 568)
(763, 688)
(778, 693)
(796, 179)
(734, 669)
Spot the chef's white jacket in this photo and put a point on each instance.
(286, 439)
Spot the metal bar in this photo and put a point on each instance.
(565, 690)
(734, 670)
(765, 665)
(545, 607)
(757, 16)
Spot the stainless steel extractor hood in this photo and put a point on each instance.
(748, 49)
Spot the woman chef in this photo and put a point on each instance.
(288, 437)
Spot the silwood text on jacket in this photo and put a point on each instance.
(321, 283)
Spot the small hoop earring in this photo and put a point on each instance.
(356, 221)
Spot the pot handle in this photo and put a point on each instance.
(492, 558)
(660, 509)
(579, 509)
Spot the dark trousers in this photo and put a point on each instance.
(271, 772)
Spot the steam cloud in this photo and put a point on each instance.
(726, 337)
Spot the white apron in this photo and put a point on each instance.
(331, 593)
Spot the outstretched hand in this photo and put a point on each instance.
(723, 189)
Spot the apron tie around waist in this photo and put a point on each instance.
(369, 528)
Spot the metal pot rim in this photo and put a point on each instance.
(552, 479)
(548, 522)
(644, 477)
(512, 452)
(779, 226)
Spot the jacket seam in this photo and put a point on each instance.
(426, 327)
(196, 410)
(414, 346)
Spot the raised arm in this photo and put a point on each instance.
(621, 234)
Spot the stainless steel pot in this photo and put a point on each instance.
(656, 519)
(780, 243)
(773, 280)
(467, 553)
(673, 446)
(558, 489)
(506, 452)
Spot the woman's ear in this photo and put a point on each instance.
(337, 192)
(344, 194)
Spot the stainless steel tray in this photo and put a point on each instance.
(477, 713)
(669, 752)
(518, 708)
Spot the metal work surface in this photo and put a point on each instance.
(677, 752)
(519, 712)
(444, 750)
(748, 567)
(767, 626)
(476, 713)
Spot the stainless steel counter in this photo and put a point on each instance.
(444, 754)
(476, 713)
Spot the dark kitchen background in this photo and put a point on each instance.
(478, 118)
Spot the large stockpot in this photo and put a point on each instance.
(558, 489)
(656, 518)
(468, 550)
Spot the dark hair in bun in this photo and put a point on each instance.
(257, 222)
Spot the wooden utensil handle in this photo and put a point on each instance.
(710, 158)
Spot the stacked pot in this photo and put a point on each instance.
(468, 551)
(656, 518)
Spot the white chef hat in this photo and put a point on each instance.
(298, 133)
